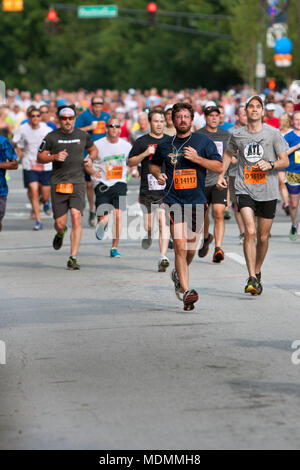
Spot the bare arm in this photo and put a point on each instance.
(227, 157)
(155, 170)
(134, 161)
(292, 149)
(9, 165)
(281, 163)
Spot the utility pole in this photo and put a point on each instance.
(260, 65)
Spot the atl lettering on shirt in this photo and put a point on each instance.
(186, 179)
(149, 183)
(294, 157)
(249, 148)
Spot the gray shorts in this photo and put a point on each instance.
(2, 207)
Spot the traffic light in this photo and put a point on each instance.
(272, 84)
(152, 9)
(52, 21)
(12, 5)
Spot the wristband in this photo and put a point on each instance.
(272, 165)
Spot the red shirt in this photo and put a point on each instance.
(274, 122)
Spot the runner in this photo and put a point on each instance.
(260, 149)
(27, 140)
(293, 172)
(65, 148)
(8, 161)
(94, 122)
(214, 196)
(108, 174)
(151, 193)
(186, 157)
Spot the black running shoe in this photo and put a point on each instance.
(58, 239)
(72, 264)
(189, 298)
(205, 247)
(252, 286)
(218, 255)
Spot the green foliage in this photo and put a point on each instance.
(111, 53)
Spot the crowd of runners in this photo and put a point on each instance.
(195, 153)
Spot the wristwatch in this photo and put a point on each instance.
(272, 165)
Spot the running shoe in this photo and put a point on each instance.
(92, 219)
(252, 286)
(100, 229)
(163, 264)
(205, 247)
(114, 253)
(242, 238)
(227, 215)
(58, 239)
(260, 287)
(177, 286)
(37, 226)
(189, 298)
(146, 243)
(218, 255)
(293, 233)
(72, 264)
(46, 208)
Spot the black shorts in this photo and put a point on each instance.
(192, 215)
(87, 176)
(110, 197)
(263, 209)
(25, 179)
(215, 195)
(61, 203)
(2, 206)
(148, 200)
(42, 177)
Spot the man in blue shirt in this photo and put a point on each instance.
(94, 122)
(185, 157)
(8, 161)
(293, 172)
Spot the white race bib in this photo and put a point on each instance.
(153, 184)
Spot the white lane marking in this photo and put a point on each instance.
(237, 258)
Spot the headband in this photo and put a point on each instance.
(66, 112)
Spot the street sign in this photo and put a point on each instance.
(97, 11)
(274, 32)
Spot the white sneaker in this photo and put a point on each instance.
(163, 264)
(100, 229)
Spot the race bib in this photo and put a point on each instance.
(114, 172)
(297, 156)
(185, 179)
(293, 178)
(219, 146)
(153, 184)
(100, 129)
(35, 166)
(253, 175)
(64, 188)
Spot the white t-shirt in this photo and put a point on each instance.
(29, 140)
(112, 161)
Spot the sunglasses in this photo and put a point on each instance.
(35, 115)
(97, 103)
(66, 118)
(114, 125)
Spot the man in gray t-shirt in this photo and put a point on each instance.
(214, 196)
(260, 150)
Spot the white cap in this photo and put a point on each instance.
(270, 107)
(208, 104)
(168, 106)
(120, 109)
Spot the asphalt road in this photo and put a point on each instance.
(106, 358)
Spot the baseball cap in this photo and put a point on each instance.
(270, 107)
(167, 107)
(211, 107)
(255, 97)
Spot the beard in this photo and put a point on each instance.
(183, 128)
